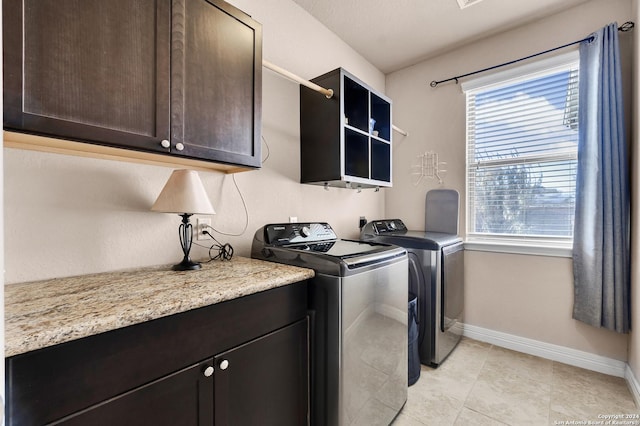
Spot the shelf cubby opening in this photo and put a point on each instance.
(356, 147)
(380, 161)
(381, 113)
(356, 105)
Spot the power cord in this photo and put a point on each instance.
(246, 214)
(225, 251)
(244, 203)
(266, 145)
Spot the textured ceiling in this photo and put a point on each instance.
(393, 34)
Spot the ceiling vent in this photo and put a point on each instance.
(467, 3)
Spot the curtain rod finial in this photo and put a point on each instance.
(627, 26)
(434, 83)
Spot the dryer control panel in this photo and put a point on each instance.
(386, 226)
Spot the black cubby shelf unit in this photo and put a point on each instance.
(345, 141)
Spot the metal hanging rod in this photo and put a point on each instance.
(627, 26)
(328, 93)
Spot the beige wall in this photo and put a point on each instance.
(634, 341)
(528, 296)
(532, 297)
(67, 215)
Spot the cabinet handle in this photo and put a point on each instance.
(165, 143)
(208, 372)
(179, 146)
(224, 364)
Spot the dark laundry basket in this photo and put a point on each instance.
(414, 356)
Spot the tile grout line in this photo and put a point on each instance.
(553, 373)
(464, 403)
(484, 366)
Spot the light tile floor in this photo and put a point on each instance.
(481, 384)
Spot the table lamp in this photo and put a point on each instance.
(184, 194)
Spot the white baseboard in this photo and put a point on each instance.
(634, 385)
(558, 353)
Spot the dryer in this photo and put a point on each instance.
(436, 277)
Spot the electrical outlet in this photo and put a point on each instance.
(293, 219)
(202, 224)
(362, 222)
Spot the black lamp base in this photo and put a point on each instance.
(186, 238)
(186, 265)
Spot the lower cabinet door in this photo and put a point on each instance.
(183, 398)
(265, 381)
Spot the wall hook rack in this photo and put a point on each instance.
(428, 166)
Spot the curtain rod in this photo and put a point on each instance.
(326, 92)
(627, 26)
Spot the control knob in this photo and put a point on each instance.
(305, 231)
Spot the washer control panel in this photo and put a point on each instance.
(279, 234)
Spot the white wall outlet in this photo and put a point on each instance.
(293, 219)
(202, 224)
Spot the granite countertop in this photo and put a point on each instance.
(45, 313)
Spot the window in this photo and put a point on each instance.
(522, 137)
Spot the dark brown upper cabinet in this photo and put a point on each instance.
(179, 78)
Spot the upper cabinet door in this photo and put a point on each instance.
(177, 77)
(216, 82)
(88, 70)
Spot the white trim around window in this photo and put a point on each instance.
(540, 248)
(549, 157)
(517, 72)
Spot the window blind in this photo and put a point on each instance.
(522, 138)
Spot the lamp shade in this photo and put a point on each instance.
(183, 193)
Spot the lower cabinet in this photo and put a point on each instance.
(242, 362)
(265, 382)
(181, 398)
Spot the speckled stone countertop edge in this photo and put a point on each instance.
(44, 313)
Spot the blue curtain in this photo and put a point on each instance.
(601, 262)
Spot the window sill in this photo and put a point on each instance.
(528, 248)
